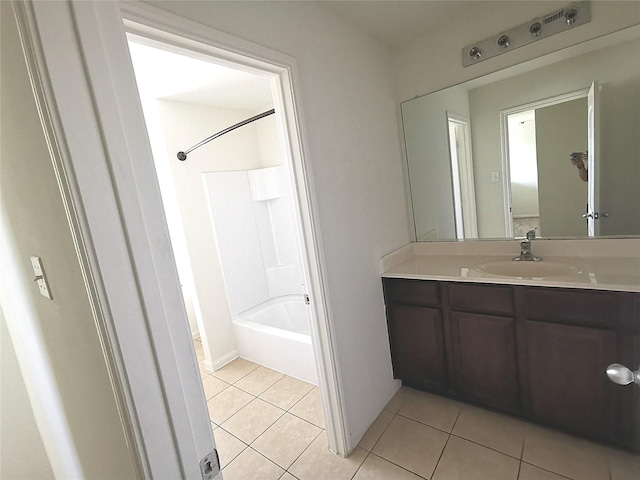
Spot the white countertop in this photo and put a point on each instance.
(618, 270)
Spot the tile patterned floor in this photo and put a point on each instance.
(270, 426)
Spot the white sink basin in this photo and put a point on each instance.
(524, 269)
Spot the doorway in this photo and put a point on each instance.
(231, 208)
(464, 196)
(543, 189)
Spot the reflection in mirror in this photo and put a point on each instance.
(523, 124)
(544, 193)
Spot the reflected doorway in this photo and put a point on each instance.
(464, 203)
(545, 190)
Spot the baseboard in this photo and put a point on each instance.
(220, 362)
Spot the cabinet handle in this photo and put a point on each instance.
(622, 375)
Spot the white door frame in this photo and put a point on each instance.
(595, 161)
(466, 204)
(134, 294)
(504, 142)
(171, 29)
(89, 88)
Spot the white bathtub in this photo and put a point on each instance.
(276, 334)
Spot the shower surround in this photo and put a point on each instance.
(253, 216)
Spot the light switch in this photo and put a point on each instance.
(40, 277)
(495, 177)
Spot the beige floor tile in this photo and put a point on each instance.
(530, 472)
(466, 460)
(199, 351)
(250, 465)
(500, 432)
(227, 403)
(376, 468)
(623, 465)
(213, 386)
(203, 373)
(235, 370)
(396, 402)
(285, 393)
(252, 420)
(310, 408)
(228, 446)
(285, 440)
(259, 380)
(318, 463)
(287, 476)
(433, 410)
(565, 455)
(375, 430)
(415, 446)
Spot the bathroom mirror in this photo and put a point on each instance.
(491, 158)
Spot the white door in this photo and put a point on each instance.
(462, 176)
(78, 55)
(83, 59)
(593, 213)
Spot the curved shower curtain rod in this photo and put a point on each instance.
(182, 156)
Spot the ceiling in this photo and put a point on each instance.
(162, 74)
(397, 22)
(168, 75)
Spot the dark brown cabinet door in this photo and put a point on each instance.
(417, 346)
(568, 384)
(484, 352)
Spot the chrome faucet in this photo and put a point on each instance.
(525, 249)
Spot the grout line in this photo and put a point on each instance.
(399, 466)
(549, 471)
(427, 424)
(304, 450)
(238, 454)
(484, 446)
(440, 457)
(521, 456)
(360, 466)
(383, 431)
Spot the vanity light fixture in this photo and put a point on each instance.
(503, 41)
(571, 16)
(475, 53)
(535, 29)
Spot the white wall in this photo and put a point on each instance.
(434, 61)
(184, 125)
(426, 135)
(34, 223)
(619, 78)
(523, 167)
(560, 130)
(19, 435)
(238, 239)
(257, 235)
(348, 108)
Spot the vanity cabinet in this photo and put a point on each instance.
(483, 344)
(417, 335)
(537, 352)
(570, 340)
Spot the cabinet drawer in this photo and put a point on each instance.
(571, 307)
(415, 292)
(481, 298)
